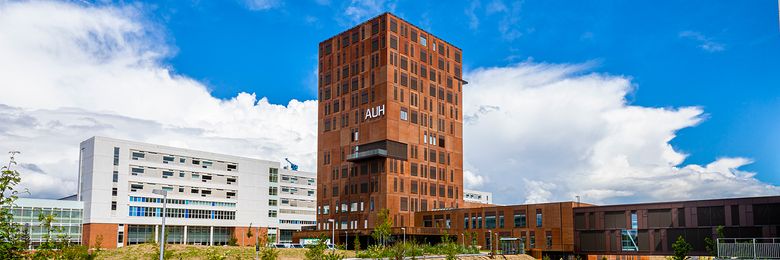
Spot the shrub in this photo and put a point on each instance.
(233, 241)
(267, 253)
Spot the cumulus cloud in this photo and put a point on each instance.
(547, 132)
(534, 132)
(98, 70)
(705, 43)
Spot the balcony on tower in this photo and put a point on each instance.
(380, 149)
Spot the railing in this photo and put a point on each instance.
(749, 248)
(369, 153)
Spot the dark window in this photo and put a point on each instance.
(766, 214)
(657, 218)
(711, 216)
(615, 219)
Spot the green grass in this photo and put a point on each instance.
(149, 251)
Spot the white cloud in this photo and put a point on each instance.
(360, 10)
(261, 5)
(534, 132)
(547, 132)
(705, 43)
(472, 15)
(85, 71)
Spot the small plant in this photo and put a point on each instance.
(710, 245)
(681, 249)
(547, 257)
(233, 241)
(267, 253)
(356, 243)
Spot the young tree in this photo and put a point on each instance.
(357, 244)
(248, 233)
(711, 244)
(382, 228)
(12, 234)
(51, 246)
(681, 249)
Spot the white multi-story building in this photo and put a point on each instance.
(475, 196)
(297, 202)
(211, 197)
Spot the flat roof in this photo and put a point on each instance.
(49, 203)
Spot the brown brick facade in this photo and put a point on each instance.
(390, 124)
(108, 233)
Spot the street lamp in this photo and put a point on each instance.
(164, 193)
(464, 239)
(333, 236)
(346, 240)
(404, 230)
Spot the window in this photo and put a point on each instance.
(113, 191)
(272, 213)
(520, 218)
(115, 176)
(404, 114)
(116, 156)
(273, 191)
(490, 221)
(136, 171)
(548, 239)
(273, 203)
(533, 239)
(423, 41)
(539, 218)
(273, 175)
(113, 205)
(135, 155)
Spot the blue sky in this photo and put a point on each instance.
(612, 101)
(723, 56)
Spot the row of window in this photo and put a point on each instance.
(136, 187)
(169, 173)
(297, 222)
(492, 221)
(135, 211)
(170, 159)
(183, 202)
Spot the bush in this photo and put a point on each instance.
(233, 241)
(267, 253)
(77, 252)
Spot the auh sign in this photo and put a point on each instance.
(375, 112)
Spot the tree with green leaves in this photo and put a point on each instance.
(357, 244)
(711, 244)
(382, 228)
(317, 251)
(51, 244)
(681, 249)
(13, 235)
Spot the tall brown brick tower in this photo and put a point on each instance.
(390, 125)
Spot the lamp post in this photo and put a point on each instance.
(346, 240)
(404, 230)
(463, 241)
(333, 236)
(164, 193)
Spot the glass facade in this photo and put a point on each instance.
(68, 220)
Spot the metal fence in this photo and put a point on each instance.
(749, 248)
